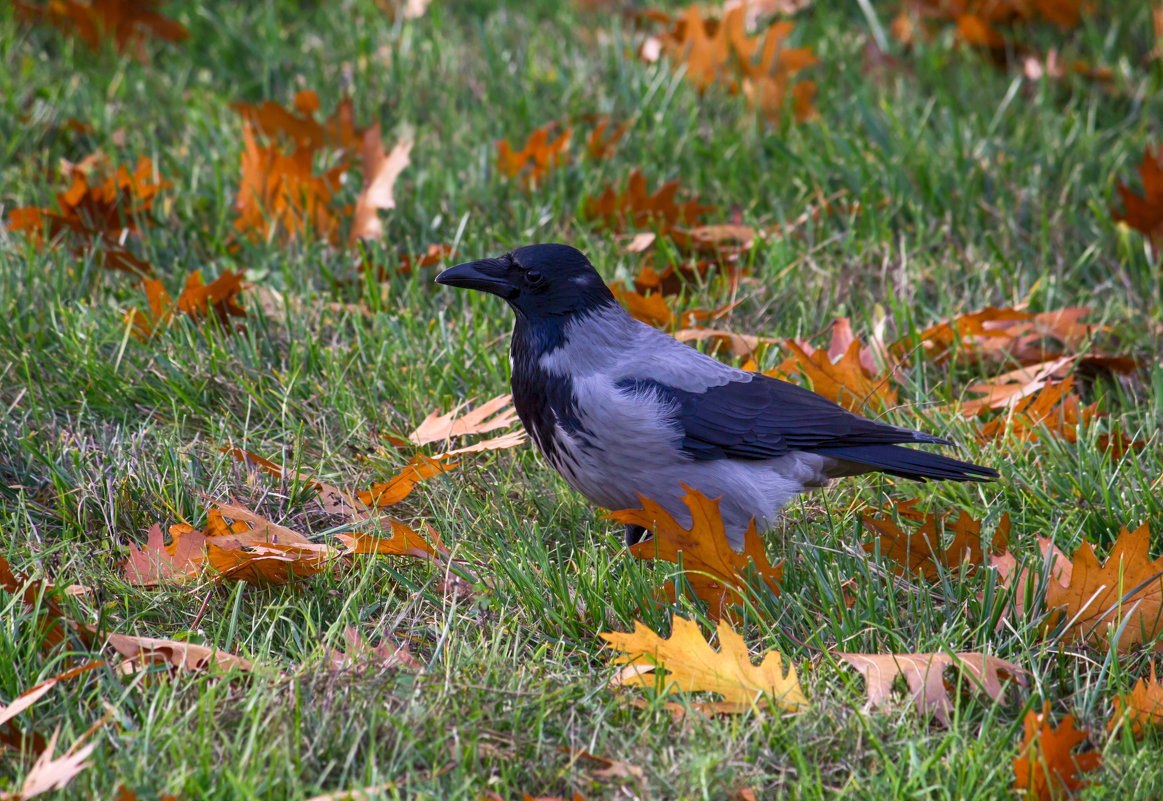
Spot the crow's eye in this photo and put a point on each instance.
(533, 277)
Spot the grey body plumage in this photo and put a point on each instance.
(621, 409)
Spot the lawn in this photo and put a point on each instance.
(932, 182)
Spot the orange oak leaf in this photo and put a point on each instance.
(1095, 599)
(1047, 767)
(100, 207)
(537, 158)
(1141, 707)
(198, 301)
(403, 541)
(272, 121)
(124, 22)
(692, 665)
(1057, 409)
(846, 380)
(380, 172)
(1144, 212)
(635, 207)
(920, 550)
(401, 485)
(925, 676)
(715, 572)
(280, 194)
(601, 145)
(674, 277)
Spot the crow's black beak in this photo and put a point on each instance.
(486, 275)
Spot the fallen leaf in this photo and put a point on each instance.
(35, 596)
(398, 487)
(52, 773)
(359, 656)
(919, 551)
(1046, 767)
(34, 694)
(600, 145)
(489, 416)
(180, 657)
(1141, 707)
(403, 541)
(281, 194)
(380, 172)
(537, 158)
(1144, 212)
(846, 380)
(691, 665)
(634, 207)
(182, 559)
(715, 572)
(1096, 598)
(740, 346)
(925, 675)
(199, 301)
(503, 442)
(125, 22)
(272, 121)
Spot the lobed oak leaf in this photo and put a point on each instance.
(125, 22)
(919, 551)
(714, 571)
(635, 207)
(925, 675)
(601, 145)
(29, 697)
(675, 276)
(272, 120)
(265, 564)
(691, 665)
(537, 158)
(380, 172)
(403, 541)
(1141, 707)
(650, 309)
(180, 560)
(1046, 767)
(1057, 409)
(197, 301)
(178, 656)
(359, 656)
(50, 773)
(846, 381)
(1144, 212)
(489, 416)
(281, 194)
(398, 487)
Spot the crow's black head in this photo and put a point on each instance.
(538, 281)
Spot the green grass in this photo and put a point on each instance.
(977, 187)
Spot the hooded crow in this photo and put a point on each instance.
(621, 409)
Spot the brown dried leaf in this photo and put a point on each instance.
(537, 158)
(359, 656)
(715, 572)
(925, 675)
(1046, 767)
(34, 694)
(1141, 707)
(52, 773)
(1144, 212)
(124, 22)
(182, 559)
(180, 657)
(919, 551)
(380, 172)
(398, 487)
(489, 416)
(634, 207)
(845, 381)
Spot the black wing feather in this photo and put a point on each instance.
(765, 418)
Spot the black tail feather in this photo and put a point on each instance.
(908, 463)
